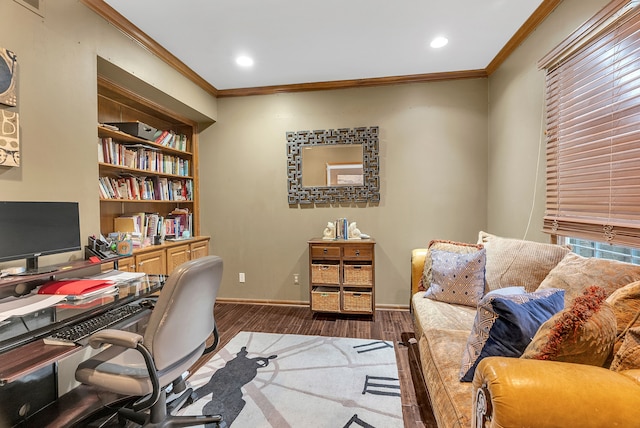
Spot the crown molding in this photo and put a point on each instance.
(124, 25)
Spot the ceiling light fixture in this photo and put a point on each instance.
(244, 61)
(439, 42)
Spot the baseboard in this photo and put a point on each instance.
(298, 303)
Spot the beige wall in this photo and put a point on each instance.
(516, 185)
(432, 171)
(57, 57)
(456, 156)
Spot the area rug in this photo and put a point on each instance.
(282, 380)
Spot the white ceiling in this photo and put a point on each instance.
(303, 41)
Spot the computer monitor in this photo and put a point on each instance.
(32, 229)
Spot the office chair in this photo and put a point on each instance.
(174, 339)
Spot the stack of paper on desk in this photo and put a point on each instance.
(18, 306)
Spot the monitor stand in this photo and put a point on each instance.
(37, 271)
(34, 269)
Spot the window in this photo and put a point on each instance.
(593, 130)
(587, 248)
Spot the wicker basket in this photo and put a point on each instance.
(325, 273)
(357, 275)
(325, 299)
(356, 301)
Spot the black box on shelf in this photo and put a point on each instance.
(137, 129)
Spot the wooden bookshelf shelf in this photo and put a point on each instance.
(119, 151)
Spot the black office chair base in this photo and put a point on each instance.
(159, 415)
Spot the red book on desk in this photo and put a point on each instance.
(75, 287)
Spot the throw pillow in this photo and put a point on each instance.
(518, 262)
(575, 273)
(628, 357)
(457, 278)
(625, 303)
(451, 246)
(506, 291)
(582, 333)
(504, 326)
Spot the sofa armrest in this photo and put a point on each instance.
(511, 392)
(418, 256)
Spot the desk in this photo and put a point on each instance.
(23, 353)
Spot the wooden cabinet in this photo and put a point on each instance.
(342, 276)
(152, 262)
(164, 258)
(127, 264)
(199, 249)
(176, 256)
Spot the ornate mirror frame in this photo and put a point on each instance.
(368, 192)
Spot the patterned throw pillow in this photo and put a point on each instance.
(518, 262)
(628, 357)
(582, 333)
(452, 247)
(457, 278)
(505, 325)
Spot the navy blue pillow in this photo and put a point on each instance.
(505, 325)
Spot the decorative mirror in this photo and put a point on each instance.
(333, 166)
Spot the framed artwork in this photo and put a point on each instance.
(8, 66)
(9, 138)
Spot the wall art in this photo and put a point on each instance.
(8, 68)
(9, 138)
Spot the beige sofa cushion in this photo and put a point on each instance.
(628, 357)
(430, 314)
(625, 302)
(518, 262)
(575, 273)
(440, 354)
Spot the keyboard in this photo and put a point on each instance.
(73, 334)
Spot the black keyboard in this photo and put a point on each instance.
(72, 334)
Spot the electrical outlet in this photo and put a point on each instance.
(241, 277)
(296, 279)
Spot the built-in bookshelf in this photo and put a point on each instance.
(153, 174)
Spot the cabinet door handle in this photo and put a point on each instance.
(357, 252)
(324, 251)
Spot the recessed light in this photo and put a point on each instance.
(244, 61)
(439, 42)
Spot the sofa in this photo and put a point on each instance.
(576, 365)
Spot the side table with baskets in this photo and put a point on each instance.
(342, 276)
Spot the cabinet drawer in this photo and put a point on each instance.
(325, 299)
(325, 273)
(357, 301)
(357, 275)
(354, 252)
(325, 252)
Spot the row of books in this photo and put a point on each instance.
(171, 139)
(142, 226)
(141, 157)
(145, 188)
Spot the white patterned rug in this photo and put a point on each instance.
(281, 380)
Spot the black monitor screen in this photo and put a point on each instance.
(32, 229)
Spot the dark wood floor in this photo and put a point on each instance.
(231, 318)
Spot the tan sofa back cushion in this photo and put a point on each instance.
(517, 262)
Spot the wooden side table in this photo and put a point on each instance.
(342, 276)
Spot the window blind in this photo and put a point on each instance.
(593, 136)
